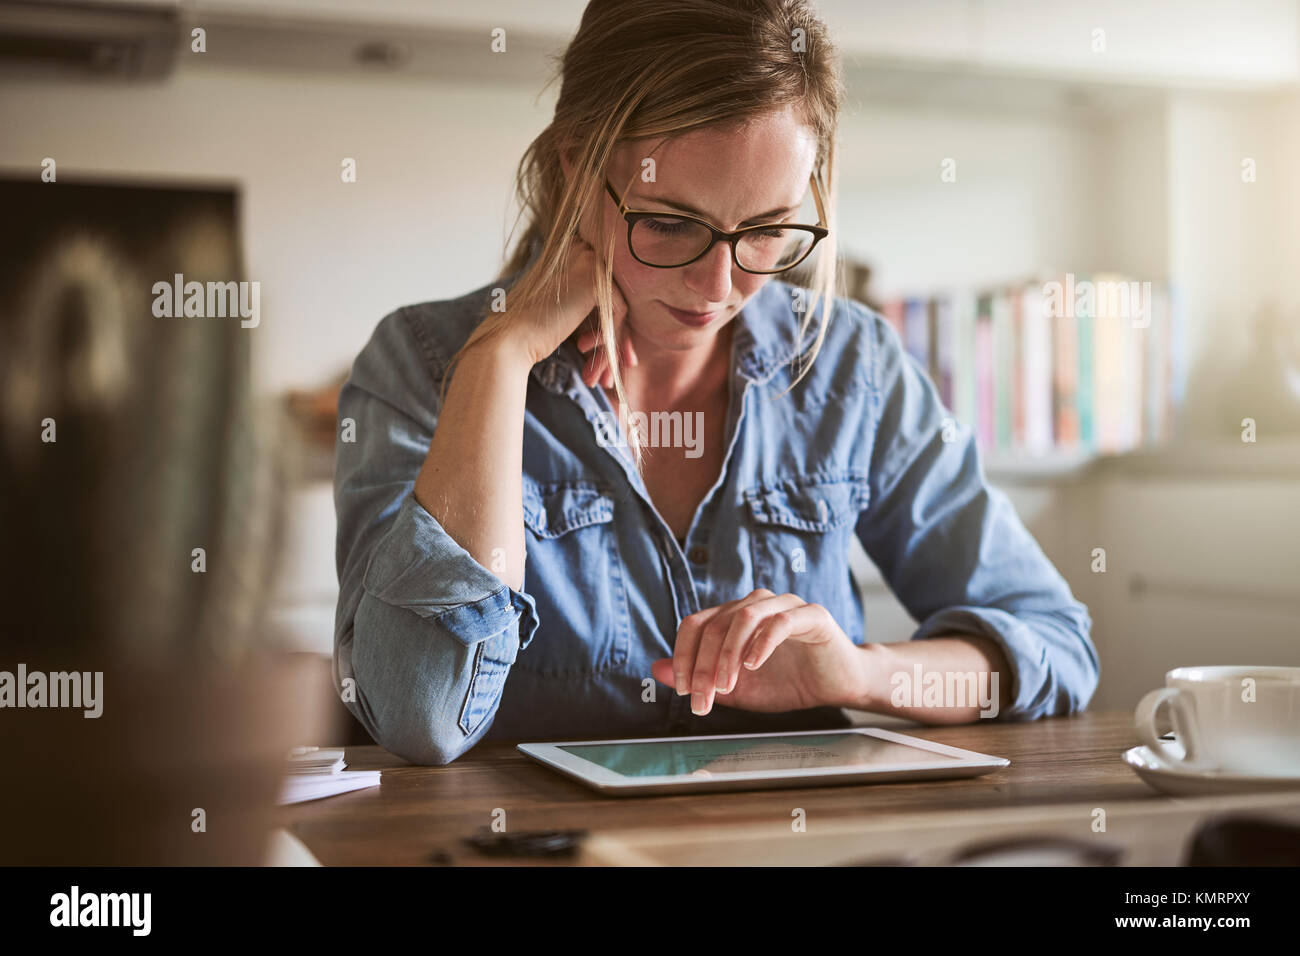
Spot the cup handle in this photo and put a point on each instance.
(1183, 721)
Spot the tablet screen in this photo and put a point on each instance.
(705, 757)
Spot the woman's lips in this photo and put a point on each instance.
(695, 320)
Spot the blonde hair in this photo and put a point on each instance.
(636, 70)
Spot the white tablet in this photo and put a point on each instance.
(808, 758)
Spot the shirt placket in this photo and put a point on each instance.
(562, 376)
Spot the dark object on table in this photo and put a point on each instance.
(1245, 841)
(1038, 851)
(883, 861)
(527, 842)
(1019, 851)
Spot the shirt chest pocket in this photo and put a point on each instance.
(799, 536)
(575, 574)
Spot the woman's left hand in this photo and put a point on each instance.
(802, 658)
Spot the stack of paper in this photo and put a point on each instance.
(314, 772)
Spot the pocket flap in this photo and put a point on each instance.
(809, 504)
(554, 510)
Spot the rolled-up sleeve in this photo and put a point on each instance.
(424, 634)
(953, 549)
(418, 566)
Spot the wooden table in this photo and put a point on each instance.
(1063, 770)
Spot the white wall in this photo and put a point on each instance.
(1023, 199)
(425, 219)
(1217, 562)
(433, 203)
(1228, 237)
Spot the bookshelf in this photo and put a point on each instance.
(1148, 179)
(1051, 369)
(1052, 372)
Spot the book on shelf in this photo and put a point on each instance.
(985, 400)
(893, 313)
(942, 348)
(1036, 358)
(1003, 370)
(916, 331)
(1059, 363)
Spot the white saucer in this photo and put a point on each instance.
(1180, 781)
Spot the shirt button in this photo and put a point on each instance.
(699, 555)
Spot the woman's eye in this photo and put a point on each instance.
(665, 226)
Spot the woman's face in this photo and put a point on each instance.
(729, 178)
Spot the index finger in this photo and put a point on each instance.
(686, 644)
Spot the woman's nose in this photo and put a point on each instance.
(710, 276)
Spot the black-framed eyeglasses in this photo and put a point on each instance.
(669, 240)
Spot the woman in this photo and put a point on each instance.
(698, 583)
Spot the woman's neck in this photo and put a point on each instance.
(665, 379)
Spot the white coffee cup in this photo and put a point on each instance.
(1240, 720)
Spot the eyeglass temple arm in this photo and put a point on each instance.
(622, 208)
(817, 196)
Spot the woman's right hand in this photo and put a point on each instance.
(543, 330)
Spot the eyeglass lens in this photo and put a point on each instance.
(669, 241)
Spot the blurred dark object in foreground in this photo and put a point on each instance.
(127, 442)
(1033, 851)
(1245, 841)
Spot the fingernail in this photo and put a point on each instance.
(697, 704)
(721, 684)
(751, 663)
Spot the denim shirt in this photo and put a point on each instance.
(433, 652)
